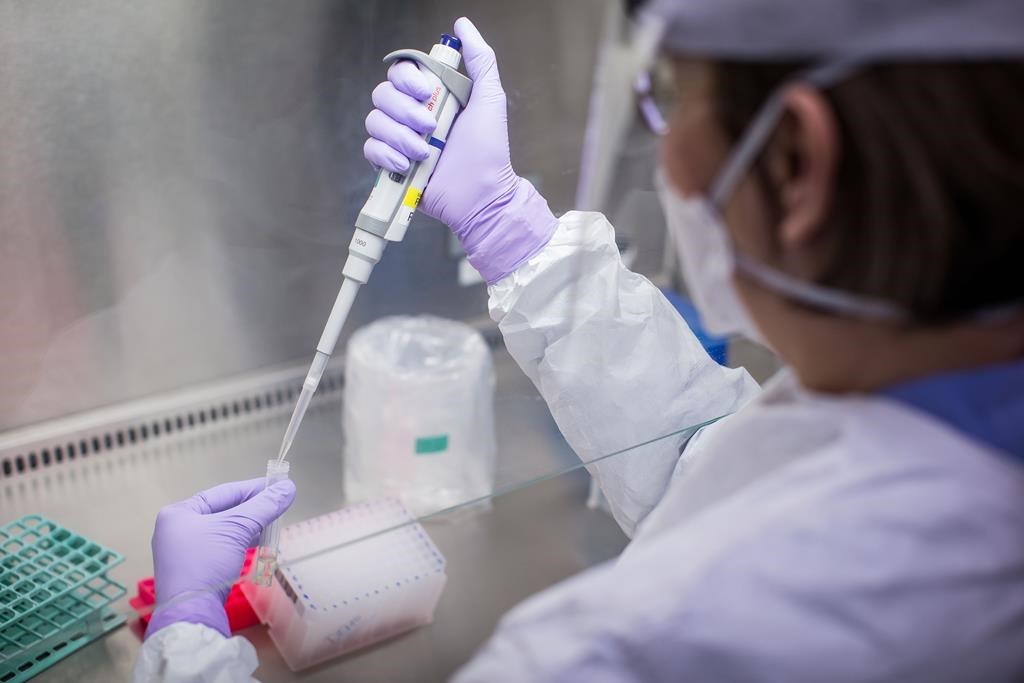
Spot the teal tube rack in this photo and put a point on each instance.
(55, 596)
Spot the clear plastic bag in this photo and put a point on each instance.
(418, 413)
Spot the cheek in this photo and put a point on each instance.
(746, 219)
(691, 154)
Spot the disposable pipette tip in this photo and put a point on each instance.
(293, 425)
(309, 386)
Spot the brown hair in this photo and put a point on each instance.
(929, 205)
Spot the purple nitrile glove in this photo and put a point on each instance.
(499, 218)
(199, 546)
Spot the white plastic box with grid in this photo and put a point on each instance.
(54, 595)
(349, 579)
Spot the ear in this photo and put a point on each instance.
(802, 163)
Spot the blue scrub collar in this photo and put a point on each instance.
(985, 403)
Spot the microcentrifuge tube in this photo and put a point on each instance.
(266, 548)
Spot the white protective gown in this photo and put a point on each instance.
(807, 538)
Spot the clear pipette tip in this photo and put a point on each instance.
(309, 386)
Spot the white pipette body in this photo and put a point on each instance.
(388, 210)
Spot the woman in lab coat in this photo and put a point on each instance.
(842, 180)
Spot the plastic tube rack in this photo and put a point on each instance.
(328, 598)
(54, 595)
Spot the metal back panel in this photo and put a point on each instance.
(178, 180)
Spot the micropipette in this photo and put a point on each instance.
(392, 202)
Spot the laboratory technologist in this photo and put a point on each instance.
(843, 180)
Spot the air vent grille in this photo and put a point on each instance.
(153, 419)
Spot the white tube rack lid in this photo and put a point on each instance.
(343, 585)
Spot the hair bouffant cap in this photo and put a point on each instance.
(868, 30)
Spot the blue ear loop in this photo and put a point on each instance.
(809, 293)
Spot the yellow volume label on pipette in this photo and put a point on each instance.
(412, 197)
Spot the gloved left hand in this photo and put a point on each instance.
(199, 546)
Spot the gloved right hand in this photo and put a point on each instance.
(499, 218)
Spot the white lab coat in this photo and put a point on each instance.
(806, 538)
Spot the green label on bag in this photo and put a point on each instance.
(431, 444)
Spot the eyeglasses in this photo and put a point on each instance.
(650, 110)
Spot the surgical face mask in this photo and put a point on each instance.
(708, 257)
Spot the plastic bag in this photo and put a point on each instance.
(418, 413)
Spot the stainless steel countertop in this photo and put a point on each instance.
(532, 538)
